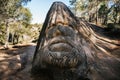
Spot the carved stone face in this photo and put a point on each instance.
(70, 46)
(60, 43)
(61, 47)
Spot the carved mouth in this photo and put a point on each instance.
(60, 47)
(61, 53)
(60, 44)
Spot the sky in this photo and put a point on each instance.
(39, 9)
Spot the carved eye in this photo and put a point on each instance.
(60, 31)
(52, 32)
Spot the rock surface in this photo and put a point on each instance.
(70, 48)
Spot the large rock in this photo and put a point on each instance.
(72, 49)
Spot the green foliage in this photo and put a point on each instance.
(77, 5)
(13, 15)
(36, 28)
(25, 16)
(9, 8)
(114, 12)
(31, 31)
(72, 2)
(102, 11)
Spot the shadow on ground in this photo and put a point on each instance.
(15, 63)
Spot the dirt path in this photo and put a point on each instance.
(15, 63)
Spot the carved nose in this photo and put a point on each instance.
(61, 30)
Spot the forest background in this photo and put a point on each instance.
(16, 26)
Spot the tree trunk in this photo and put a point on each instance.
(105, 20)
(119, 20)
(13, 38)
(96, 18)
(17, 38)
(70, 48)
(7, 35)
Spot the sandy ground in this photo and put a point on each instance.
(15, 63)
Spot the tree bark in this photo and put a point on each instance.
(7, 35)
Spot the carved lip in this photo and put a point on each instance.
(60, 44)
(60, 39)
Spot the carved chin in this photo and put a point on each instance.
(60, 55)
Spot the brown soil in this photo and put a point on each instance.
(15, 63)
